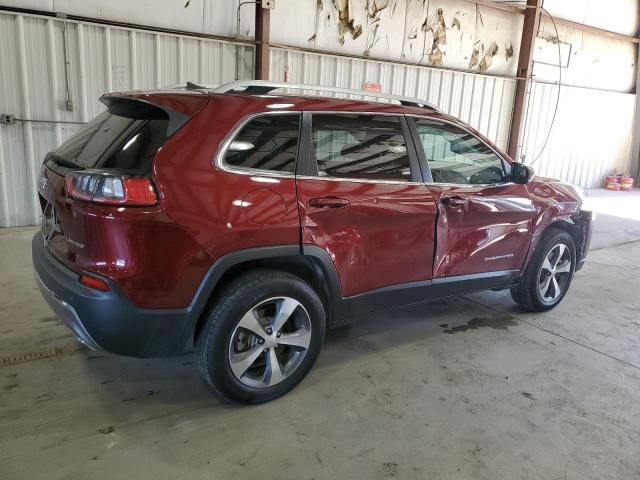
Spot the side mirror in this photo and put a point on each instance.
(520, 173)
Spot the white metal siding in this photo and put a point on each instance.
(101, 59)
(401, 30)
(482, 101)
(588, 59)
(616, 15)
(214, 17)
(591, 137)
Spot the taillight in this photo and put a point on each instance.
(110, 189)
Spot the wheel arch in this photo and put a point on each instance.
(569, 226)
(527, 292)
(311, 264)
(565, 223)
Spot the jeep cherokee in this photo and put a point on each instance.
(242, 224)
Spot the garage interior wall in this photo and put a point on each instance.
(484, 102)
(593, 129)
(443, 33)
(598, 72)
(209, 17)
(51, 104)
(460, 55)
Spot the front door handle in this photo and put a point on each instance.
(328, 202)
(454, 201)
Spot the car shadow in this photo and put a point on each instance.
(416, 324)
(125, 384)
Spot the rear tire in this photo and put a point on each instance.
(548, 276)
(261, 337)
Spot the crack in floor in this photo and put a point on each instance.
(621, 244)
(55, 352)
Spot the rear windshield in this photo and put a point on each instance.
(115, 142)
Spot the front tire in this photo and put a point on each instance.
(548, 276)
(261, 337)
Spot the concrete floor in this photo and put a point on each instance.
(470, 388)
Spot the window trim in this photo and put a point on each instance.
(312, 163)
(233, 133)
(423, 158)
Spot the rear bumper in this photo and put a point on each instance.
(108, 321)
(585, 220)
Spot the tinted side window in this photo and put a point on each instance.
(370, 147)
(268, 142)
(457, 156)
(115, 142)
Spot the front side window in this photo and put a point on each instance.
(457, 156)
(360, 146)
(267, 142)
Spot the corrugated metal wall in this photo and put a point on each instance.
(591, 136)
(33, 86)
(590, 139)
(102, 58)
(484, 102)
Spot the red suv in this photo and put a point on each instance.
(243, 224)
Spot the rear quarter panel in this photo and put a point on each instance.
(205, 204)
(159, 256)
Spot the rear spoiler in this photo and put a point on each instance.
(132, 107)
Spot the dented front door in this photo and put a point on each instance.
(481, 228)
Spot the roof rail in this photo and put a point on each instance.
(263, 87)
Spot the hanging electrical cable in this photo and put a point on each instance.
(555, 111)
(424, 28)
(522, 3)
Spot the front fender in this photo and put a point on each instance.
(558, 205)
(542, 223)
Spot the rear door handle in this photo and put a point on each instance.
(454, 201)
(328, 202)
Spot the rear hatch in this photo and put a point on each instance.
(117, 146)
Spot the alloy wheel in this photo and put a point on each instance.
(269, 342)
(554, 273)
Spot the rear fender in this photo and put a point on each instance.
(285, 257)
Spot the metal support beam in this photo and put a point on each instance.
(525, 67)
(635, 139)
(262, 41)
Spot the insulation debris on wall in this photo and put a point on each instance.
(446, 33)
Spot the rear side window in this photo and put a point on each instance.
(360, 146)
(115, 142)
(267, 142)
